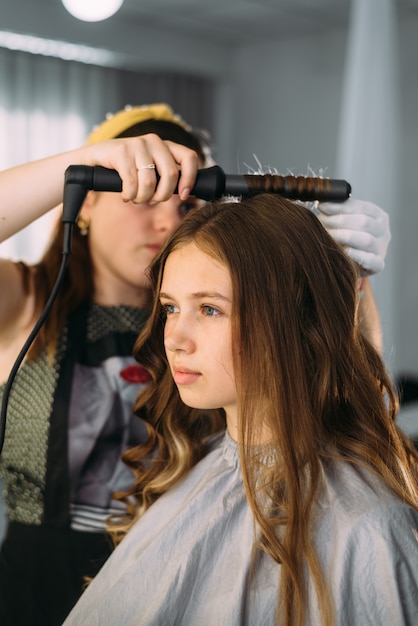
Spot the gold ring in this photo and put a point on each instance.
(151, 166)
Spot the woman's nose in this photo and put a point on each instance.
(177, 337)
(166, 217)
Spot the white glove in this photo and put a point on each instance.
(362, 228)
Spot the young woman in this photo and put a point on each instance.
(70, 411)
(305, 511)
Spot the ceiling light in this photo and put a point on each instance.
(92, 10)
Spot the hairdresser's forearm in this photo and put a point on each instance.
(28, 191)
(31, 190)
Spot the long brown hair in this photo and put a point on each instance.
(78, 285)
(323, 393)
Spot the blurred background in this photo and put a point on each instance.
(302, 86)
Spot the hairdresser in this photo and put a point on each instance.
(70, 408)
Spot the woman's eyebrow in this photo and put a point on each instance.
(209, 294)
(198, 295)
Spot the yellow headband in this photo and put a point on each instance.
(117, 123)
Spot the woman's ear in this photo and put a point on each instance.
(89, 201)
(84, 217)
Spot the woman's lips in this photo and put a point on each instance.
(154, 248)
(183, 376)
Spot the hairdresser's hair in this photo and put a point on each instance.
(324, 393)
(78, 285)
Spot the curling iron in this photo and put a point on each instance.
(211, 183)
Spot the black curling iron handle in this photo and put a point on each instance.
(209, 183)
(79, 179)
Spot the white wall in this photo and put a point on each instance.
(406, 226)
(287, 98)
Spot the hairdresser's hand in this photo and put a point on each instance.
(132, 157)
(362, 228)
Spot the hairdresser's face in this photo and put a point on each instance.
(124, 237)
(196, 293)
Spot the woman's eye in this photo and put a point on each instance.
(169, 309)
(186, 207)
(210, 311)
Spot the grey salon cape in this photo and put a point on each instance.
(186, 562)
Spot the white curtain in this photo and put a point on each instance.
(368, 154)
(47, 106)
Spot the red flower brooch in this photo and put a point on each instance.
(135, 374)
